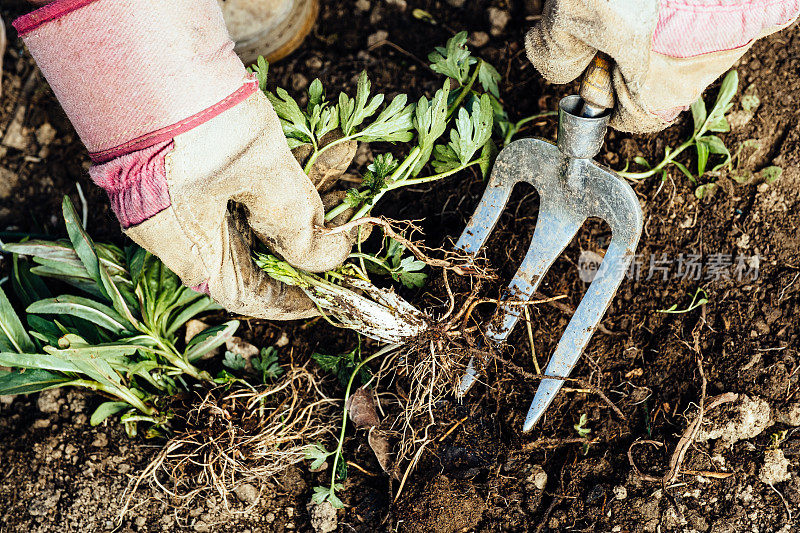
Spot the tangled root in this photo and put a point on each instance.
(233, 437)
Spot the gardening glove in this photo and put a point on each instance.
(177, 129)
(666, 52)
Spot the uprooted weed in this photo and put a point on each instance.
(231, 437)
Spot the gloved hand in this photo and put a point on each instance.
(666, 52)
(177, 129)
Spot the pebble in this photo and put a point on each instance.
(41, 423)
(363, 5)
(498, 18)
(314, 63)
(323, 517)
(49, 401)
(299, 81)
(400, 5)
(247, 493)
(100, 441)
(283, 340)
(478, 38)
(775, 469)
(620, 492)
(8, 181)
(377, 37)
(45, 134)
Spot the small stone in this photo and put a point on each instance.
(283, 340)
(241, 347)
(478, 38)
(775, 469)
(540, 480)
(456, 3)
(41, 423)
(314, 63)
(49, 401)
(201, 527)
(400, 5)
(789, 415)
(498, 18)
(620, 492)
(290, 512)
(323, 517)
(100, 441)
(269, 517)
(246, 493)
(8, 181)
(45, 134)
(377, 37)
(363, 5)
(299, 81)
(7, 399)
(740, 420)
(140, 521)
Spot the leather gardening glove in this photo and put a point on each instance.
(666, 52)
(176, 129)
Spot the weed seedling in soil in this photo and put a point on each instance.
(702, 139)
(316, 453)
(116, 334)
(697, 301)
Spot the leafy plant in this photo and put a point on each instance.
(117, 335)
(267, 364)
(705, 124)
(407, 270)
(582, 431)
(316, 453)
(697, 301)
(342, 365)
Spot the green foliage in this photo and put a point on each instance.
(342, 365)
(453, 59)
(473, 130)
(700, 298)
(117, 336)
(580, 427)
(407, 270)
(705, 143)
(267, 364)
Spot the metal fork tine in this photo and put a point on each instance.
(551, 236)
(580, 329)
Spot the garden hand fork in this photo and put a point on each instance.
(571, 189)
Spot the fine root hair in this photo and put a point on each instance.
(237, 436)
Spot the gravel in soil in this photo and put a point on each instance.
(60, 474)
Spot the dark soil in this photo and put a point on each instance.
(60, 474)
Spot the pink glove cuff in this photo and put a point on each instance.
(136, 183)
(131, 74)
(688, 28)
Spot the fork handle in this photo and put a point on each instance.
(596, 89)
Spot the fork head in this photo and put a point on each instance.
(571, 189)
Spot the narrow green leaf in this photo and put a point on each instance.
(683, 169)
(699, 114)
(36, 361)
(726, 92)
(81, 242)
(209, 339)
(84, 308)
(106, 409)
(30, 381)
(702, 156)
(12, 332)
(27, 286)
